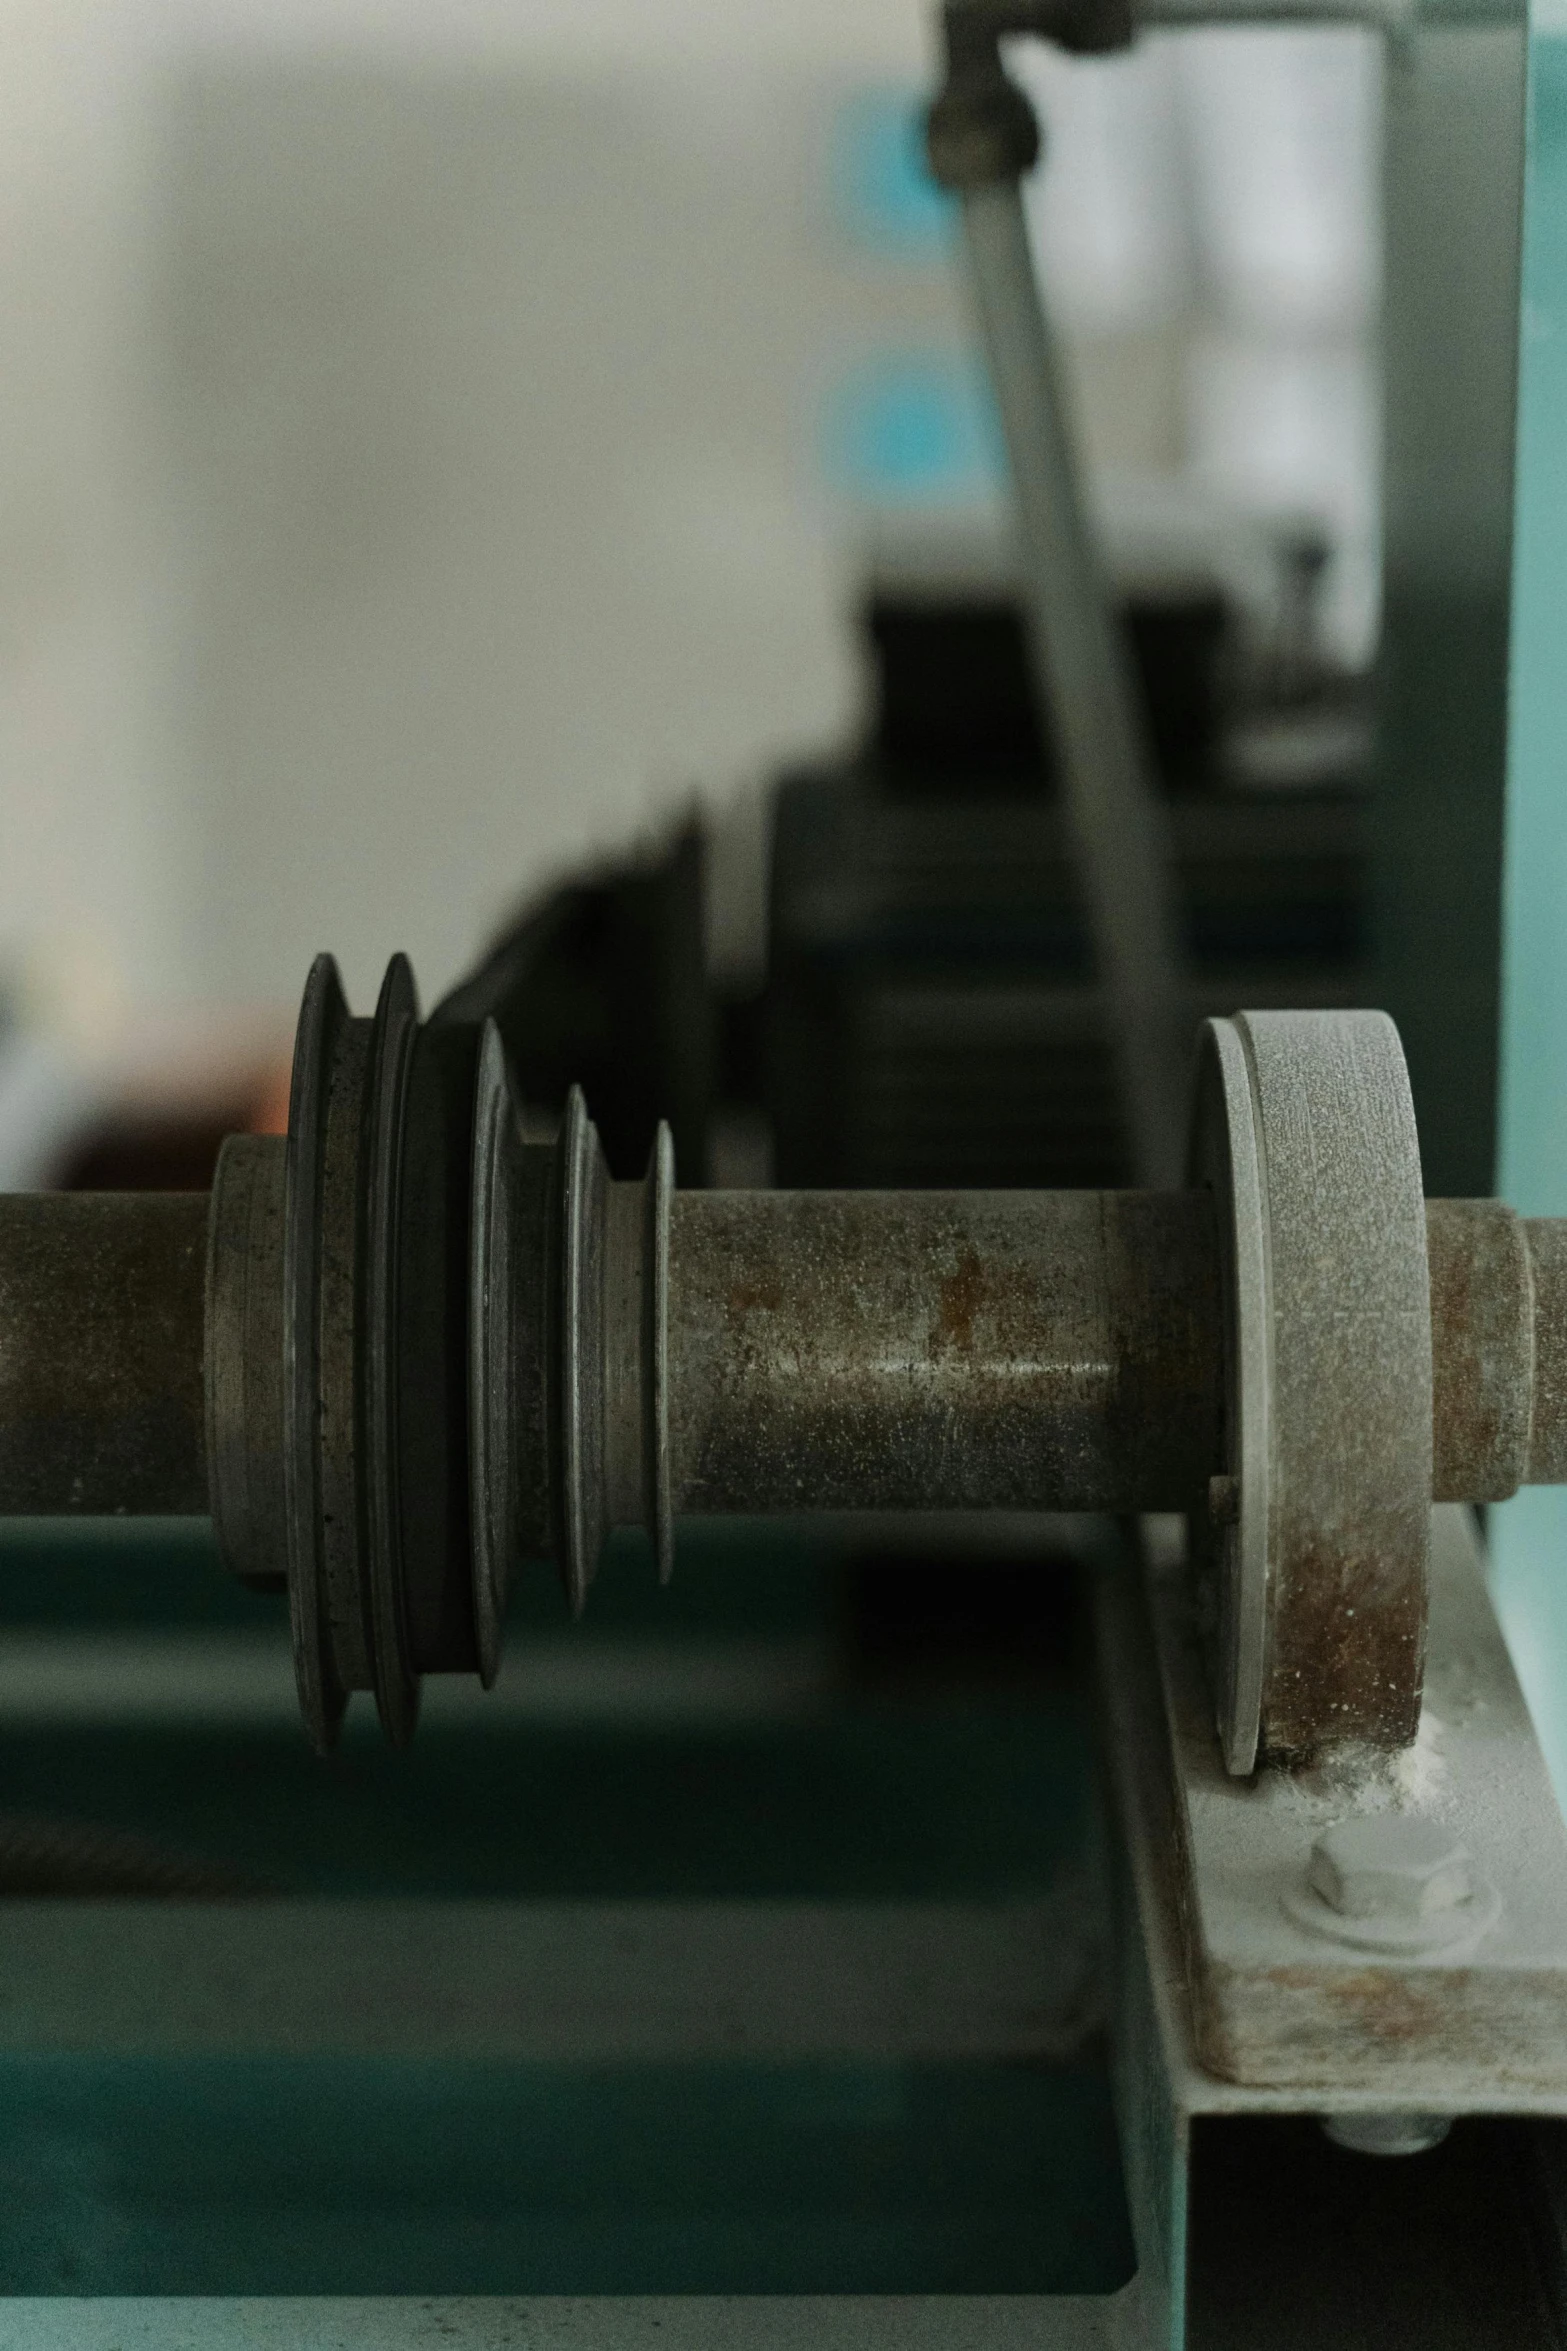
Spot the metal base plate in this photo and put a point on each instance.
(1475, 2027)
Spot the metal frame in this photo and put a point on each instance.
(763, 2322)
(1227, 2007)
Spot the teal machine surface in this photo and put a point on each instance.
(1529, 1537)
(719, 1968)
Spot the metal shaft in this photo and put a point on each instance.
(943, 1350)
(1498, 1349)
(851, 1350)
(647, 1352)
(101, 1314)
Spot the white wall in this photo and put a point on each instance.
(416, 461)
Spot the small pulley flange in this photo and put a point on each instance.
(569, 1343)
(392, 1037)
(515, 1187)
(317, 1412)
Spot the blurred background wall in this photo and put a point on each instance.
(436, 442)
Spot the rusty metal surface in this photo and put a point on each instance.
(1546, 1240)
(1349, 1299)
(1482, 1350)
(1277, 2008)
(102, 1301)
(1005, 1350)
(1207, 1963)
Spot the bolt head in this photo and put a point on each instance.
(1389, 1865)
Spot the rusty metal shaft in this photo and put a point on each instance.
(834, 1351)
(1044, 1350)
(1498, 1349)
(943, 1350)
(641, 1353)
(101, 1332)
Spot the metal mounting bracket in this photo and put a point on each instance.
(1227, 2008)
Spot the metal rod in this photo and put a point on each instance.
(905, 1351)
(943, 1350)
(1120, 836)
(809, 1350)
(102, 1301)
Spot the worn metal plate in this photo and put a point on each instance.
(1221, 2007)
(1279, 2008)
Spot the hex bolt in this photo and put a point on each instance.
(1390, 1866)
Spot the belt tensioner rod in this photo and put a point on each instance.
(983, 141)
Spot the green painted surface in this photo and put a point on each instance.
(354, 2178)
(756, 1577)
(969, 1797)
(866, 1802)
(270, 2176)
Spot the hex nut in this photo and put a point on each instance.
(1391, 1866)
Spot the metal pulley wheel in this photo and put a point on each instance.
(443, 1340)
(1317, 1538)
(336, 1354)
